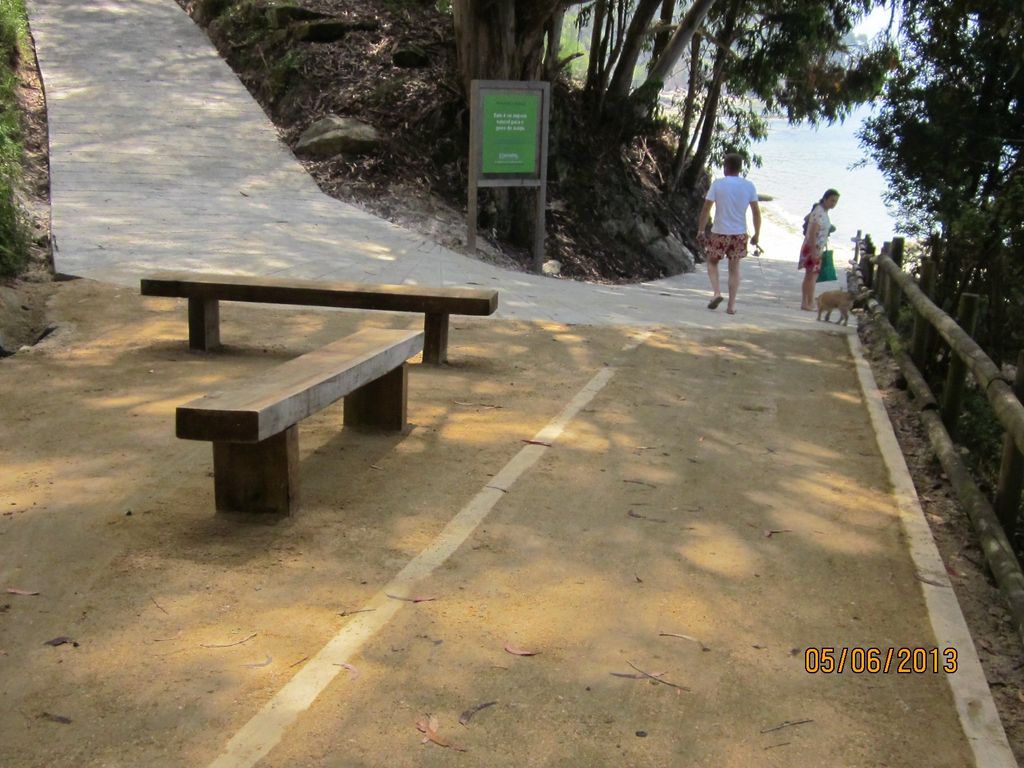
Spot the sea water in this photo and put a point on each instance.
(800, 162)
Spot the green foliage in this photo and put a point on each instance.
(950, 142)
(13, 229)
(283, 72)
(571, 43)
(242, 24)
(981, 433)
(796, 56)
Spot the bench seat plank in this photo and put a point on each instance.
(252, 411)
(205, 291)
(396, 298)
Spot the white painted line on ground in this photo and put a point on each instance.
(971, 695)
(265, 729)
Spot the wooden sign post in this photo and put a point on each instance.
(508, 146)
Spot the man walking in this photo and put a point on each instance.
(730, 197)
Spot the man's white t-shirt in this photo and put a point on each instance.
(731, 196)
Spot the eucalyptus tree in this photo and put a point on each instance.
(764, 57)
(743, 59)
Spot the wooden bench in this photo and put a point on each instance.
(205, 291)
(253, 424)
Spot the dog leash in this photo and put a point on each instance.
(758, 250)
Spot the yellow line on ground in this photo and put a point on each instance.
(257, 737)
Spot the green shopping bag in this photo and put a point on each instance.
(828, 268)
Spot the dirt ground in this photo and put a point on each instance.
(662, 533)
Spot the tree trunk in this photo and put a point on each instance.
(501, 39)
(678, 42)
(684, 148)
(600, 9)
(622, 80)
(485, 40)
(668, 10)
(707, 133)
(554, 45)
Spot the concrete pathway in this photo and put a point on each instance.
(161, 159)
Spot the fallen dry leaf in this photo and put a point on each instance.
(352, 670)
(25, 592)
(228, 645)
(519, 651)
(428, 727)
(466, 716)
(638, 516)
(656, 678)
(412, 599)
(685, 637)
(637, 675)
(61, 641)
(55, 718)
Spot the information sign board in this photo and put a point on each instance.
(508, 146)
(511, 132)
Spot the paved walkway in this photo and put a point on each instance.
(160, 158)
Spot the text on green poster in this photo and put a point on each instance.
(511, 125)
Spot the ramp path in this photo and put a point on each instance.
(672, 511)
(159, 157)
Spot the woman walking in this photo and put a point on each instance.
(816, 234)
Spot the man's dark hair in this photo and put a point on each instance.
(733, 163)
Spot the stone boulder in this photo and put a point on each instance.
(338, 136)
(409, 56)
(551, 268)
(670, 252)
(206, 11)
(282, 15)
(330, 30)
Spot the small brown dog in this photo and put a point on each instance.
(841, 300)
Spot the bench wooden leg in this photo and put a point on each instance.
(435, 340)
(381, 404)
(258, 477)
(203, 324)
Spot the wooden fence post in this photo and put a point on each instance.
(894, 294)
(1011, 472)
(953, 391)
(922, 328)
(896, 251)
(867, 267)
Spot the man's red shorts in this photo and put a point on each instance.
(718, 247)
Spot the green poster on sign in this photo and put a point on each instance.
(511, 125)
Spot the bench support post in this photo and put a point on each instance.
(203, 324)
(435, 340)
(381, 404)
(258, 477)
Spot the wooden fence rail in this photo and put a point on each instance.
(1004, 402)
(994, 527)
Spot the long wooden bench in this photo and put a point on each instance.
(253, 424)
(205, 291)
